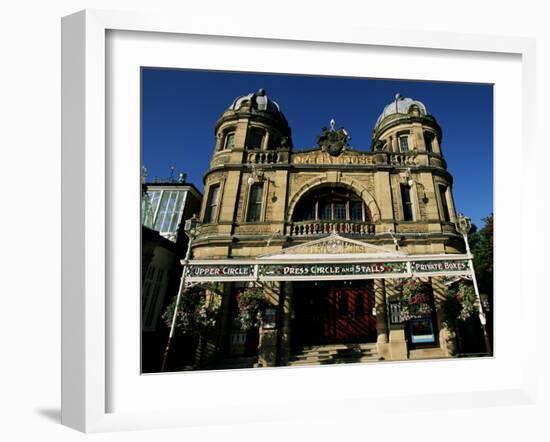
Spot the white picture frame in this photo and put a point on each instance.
(86, 208)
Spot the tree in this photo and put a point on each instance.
(197, 315)
(481, 243)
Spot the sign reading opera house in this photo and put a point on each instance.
(328, 233)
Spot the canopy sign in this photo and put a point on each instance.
(225, 270)
(220, 272)
(440, 266)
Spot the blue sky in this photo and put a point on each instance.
(181, 107)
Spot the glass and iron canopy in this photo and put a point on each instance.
(162, 211)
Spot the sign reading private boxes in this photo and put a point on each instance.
(440, 266)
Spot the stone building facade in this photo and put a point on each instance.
(263, 197)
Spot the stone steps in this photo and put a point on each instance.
(427, 353)
(335, 354)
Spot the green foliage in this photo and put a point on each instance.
(197, 311)
(459, 304)
(251, 304)
(481, 244)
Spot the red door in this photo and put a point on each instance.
(333, 312)
(351, 317)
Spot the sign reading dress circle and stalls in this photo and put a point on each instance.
(330, 271)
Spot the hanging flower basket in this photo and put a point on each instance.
(415, 299)
(460, 304)
(251, 304)
(198, 310)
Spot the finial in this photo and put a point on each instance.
(398, 96)
(332, 123)
(182, 177)
(143, 174)
(261, 92)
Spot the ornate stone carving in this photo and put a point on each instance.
(333, 141)
(335, 244)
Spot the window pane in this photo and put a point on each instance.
(161, 211)
(255, 203)
(308, 213)
(149, 207)
(356, 211)
(255, 140)
(404, 143)
(169, 211)
(428, 142)
(176, 215)
(407, 203)
(325, 211)
(230, 141)
(211, 204)
(443, 194)
(339, 211)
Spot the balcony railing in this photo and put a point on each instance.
(267, 156)
(311, 228)
(402, 159)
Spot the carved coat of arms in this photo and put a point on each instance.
(332, 140)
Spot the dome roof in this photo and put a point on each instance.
(259, 101)
(401, 106)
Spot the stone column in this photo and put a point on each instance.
(397, 345)
(265, 141)
(447, 337)
(381, 318)
(394, 146)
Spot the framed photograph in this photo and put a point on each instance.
(281, 206)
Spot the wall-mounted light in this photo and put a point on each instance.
(256, 175)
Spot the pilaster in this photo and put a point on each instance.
(381, 319)
(397, 346)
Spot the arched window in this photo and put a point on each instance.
(326, 204)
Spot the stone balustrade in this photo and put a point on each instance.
(318, 227)
(402, 159)
(264, 157)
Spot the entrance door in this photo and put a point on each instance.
(333, 312)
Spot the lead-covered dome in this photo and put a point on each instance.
(258, 101)
(402, 106)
